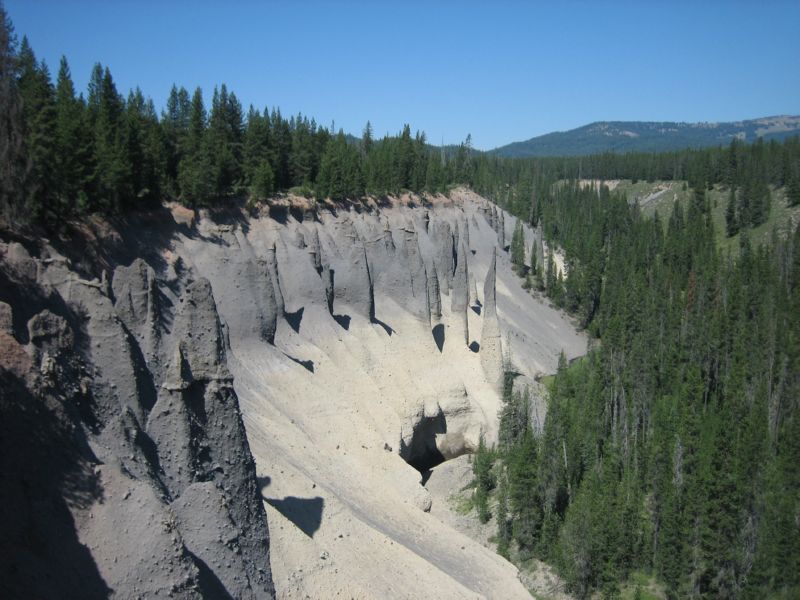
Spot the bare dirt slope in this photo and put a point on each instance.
(349, 343)
(347, 392)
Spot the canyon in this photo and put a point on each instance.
(174, 384)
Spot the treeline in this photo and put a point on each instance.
(748, 169)
(674, 447)
(67, 155)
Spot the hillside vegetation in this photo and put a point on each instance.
(646, 136)
(672, 448)
(660, 197)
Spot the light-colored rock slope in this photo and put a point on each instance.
(340, 398)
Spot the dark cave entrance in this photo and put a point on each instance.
(422, 453)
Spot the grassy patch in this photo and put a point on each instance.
(462, 502)
(660, 196)
(654, 196)
(780, 219)
(547, 381)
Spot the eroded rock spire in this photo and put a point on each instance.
(459, 301)
(491, 344)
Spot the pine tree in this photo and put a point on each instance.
(263, 181)
(793, 191)
(224, 142)
(524, 501)
(112, 176)
(518, 248)
(366, 139)
(340, 174)
(484, 480)
(39, 127)
(503, 524)
(301, 159)
(731, 222)
(11, 124)
(195, 178)
(175, 127)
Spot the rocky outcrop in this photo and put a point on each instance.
(120, 397)
(538, 241)
(419, 303)
(315, 249)
(490, 214)
(6, 320)
(138, 306)
(473, 290)
(434, 295)
(112, 463)
(460, 297)
(445, 254)
(198, 403)
(491, 344)
(463, 231)
(353, 284)
(272, 270)
(500, 228)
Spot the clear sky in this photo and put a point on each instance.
(502, 71)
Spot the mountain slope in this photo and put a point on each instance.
(649, 136)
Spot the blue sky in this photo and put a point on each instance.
(504, 71)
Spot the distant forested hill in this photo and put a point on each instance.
(646, 136)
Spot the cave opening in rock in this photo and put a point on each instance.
(422, 452)
(427, 461)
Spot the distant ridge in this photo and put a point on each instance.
(649, 136)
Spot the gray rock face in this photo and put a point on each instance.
(434, 297)
(268, 315)
(120, 380)
(315, 250)
(199, 333)
(353, 284)
(170, 425)
(500, 228)
(120, 503)
(6, 319)
(138, 306)
(327, 280)
(473, 291)
(272, 269)
(388, 240)
(463, 232)
(460, 297)
(122, 388)
(210, 534)
(298, 240)
(196, 393)
(197, 404)
(49, 334)
(445, 254)
(419, 303)
(491, 345)
(539, 241)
